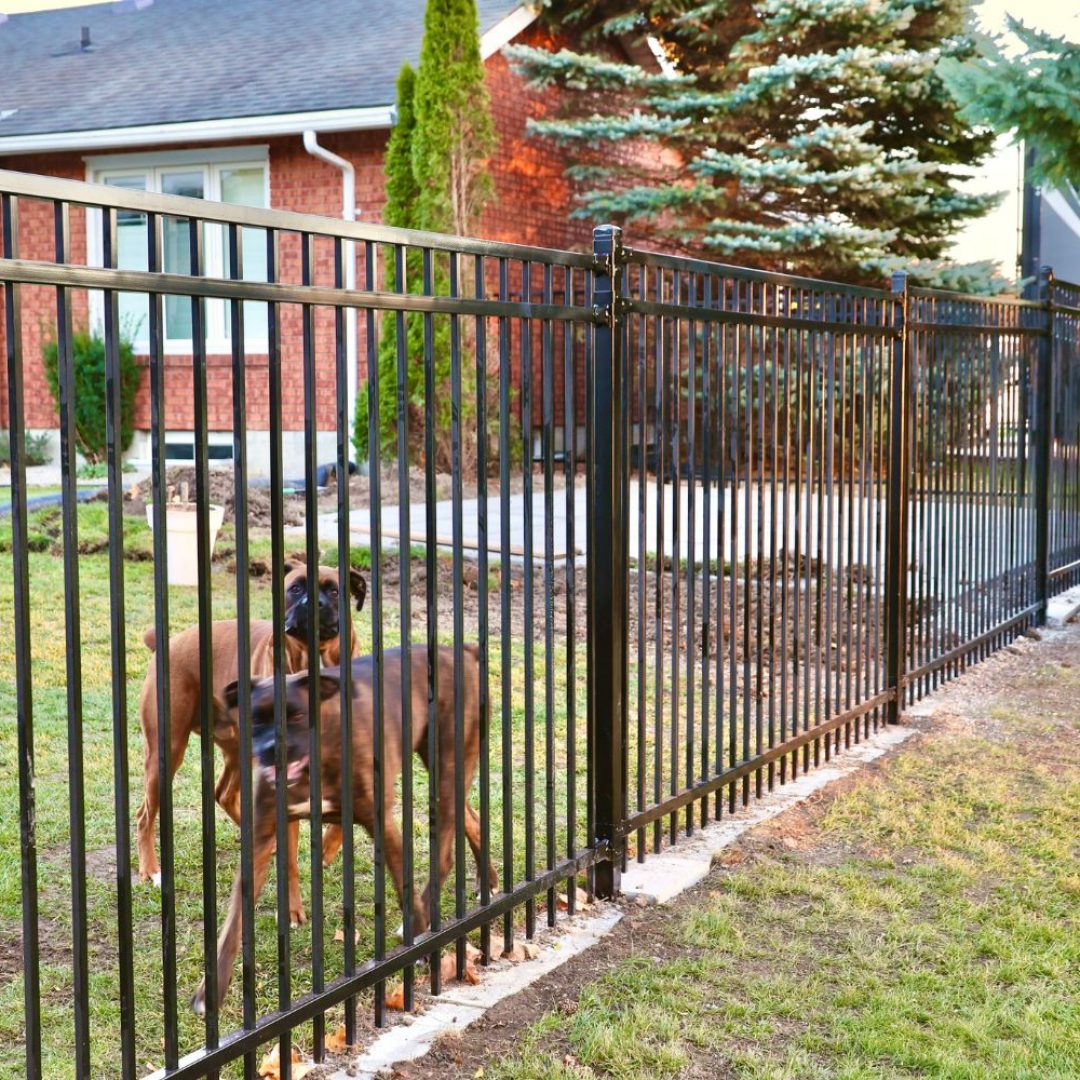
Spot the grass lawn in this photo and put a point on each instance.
(924, 922)
(50, 676)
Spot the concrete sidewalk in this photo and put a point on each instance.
(749, 521)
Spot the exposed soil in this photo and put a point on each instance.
(180, 482)
(54, 948)
(852, 630)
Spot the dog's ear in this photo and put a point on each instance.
(358, 587)
(232, 694)
(329, 685)
(288, 567)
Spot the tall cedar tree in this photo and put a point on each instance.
(454, 134)
(812, 136)
(400, 211)
(436, 181)
(1035, 94)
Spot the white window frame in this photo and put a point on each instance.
(212, 161)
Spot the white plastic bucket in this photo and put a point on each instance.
(182, 545)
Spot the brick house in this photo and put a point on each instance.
(211, 99)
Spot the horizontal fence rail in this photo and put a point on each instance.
(638, 536)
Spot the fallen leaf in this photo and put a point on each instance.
(336, 1043)
(522, 950)
(271, 1065)
(581, 901)
(470, 975)
(396, 999)
(339, 936)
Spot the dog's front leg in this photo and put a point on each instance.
(229, 938)
(332, 840)
(227, 789)
(297, 914)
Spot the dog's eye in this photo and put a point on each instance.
(332, 592)
(296, 588)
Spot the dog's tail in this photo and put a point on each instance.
(150, 639)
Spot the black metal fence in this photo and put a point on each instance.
(804, 505)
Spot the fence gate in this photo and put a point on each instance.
(637, 537)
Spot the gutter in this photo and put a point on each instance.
(230, 129)
(348, 213)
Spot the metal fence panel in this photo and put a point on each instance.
(805, 504)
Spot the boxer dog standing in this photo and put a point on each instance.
(298, 770)
(184, 702)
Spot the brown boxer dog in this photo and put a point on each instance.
(184, 701)
(298, 774)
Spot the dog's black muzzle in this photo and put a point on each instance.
(296, 620)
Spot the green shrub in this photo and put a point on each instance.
(35, 448)
(88, 351)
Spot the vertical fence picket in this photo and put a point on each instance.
(24, 698)
(606, 577)
(896, 514)
(1044, 414)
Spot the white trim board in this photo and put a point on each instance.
(242, 127)
(504, 31)
(149, 159)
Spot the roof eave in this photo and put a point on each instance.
(229, 128)
(505, 30)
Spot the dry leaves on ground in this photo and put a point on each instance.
(448, 966)
(581, 901)
(729, 857)
(270, 1068)
(470, 974)
(522, 950)
(339, 936)
(336, 1042)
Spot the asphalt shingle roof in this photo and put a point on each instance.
(172, 61)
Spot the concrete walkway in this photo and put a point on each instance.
(846, 530)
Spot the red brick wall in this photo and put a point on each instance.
(532, 196)
(534, 204)
(36, 240)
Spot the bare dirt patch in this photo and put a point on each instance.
(54, 948)
(181, 479)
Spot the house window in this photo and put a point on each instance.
(233, 175)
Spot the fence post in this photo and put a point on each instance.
(607, 561)
(1044, 384)
(896, 545)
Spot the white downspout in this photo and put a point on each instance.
(348, 213)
